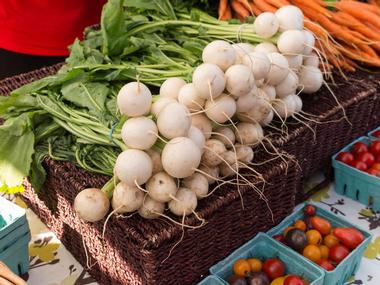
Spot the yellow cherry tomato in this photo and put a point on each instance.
(313, 237)
(278, 281)
(241, 267)
(255, 264)
(325, 251)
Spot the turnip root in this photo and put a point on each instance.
(174, 121)
(266, 48)
(309, 42)
(291, 42)
(139, 133)
(298, 102)
(203, 123)
(209, 80)
(310, 79)
(133, 166)
(246, 102)
(259, 63)
(155, 156)
(197, 137)
(160, 104)
(189, 96)
(134, 99)
(244, 153)
(229, 157)
(91, 205)
(180, 157)
(197, 183)
(170, 88)
(279, 68)
(220, 53)
(290, 18)
(270, 91)
(258, 111)
(185, 202)
(288, 85)
(161, 187)
(266, 25)
(311, 59)
(221, 109)
(211, 173)
(285, 107)
(249, 134)
(227, 136)
(266, 121)
(151, 209)
(294, 61)
(227, 170)
(239, 80)
(241, 50)
(126, 198)
(214, 150)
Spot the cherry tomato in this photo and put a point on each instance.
(338, 253)
(288, 229)
(375, 148)
(345, 157)
(312, 252)
(330, 241)
(376, 134)
(279, 238)
(313, 237)
(325, 264)
(293, 280)
(373, 172)
(299, 224)
(274, 268)
(376, 166)
(325, 251)
(309, 210)
(321, 225)
(359, 147)
(367, 158)
(307, 221)
(255, 264)
(378, 158)
(278, 281)
(241, 267)
(360, 165)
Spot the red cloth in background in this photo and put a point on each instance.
(45, 27)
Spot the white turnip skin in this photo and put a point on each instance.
(290, 18)
(291, 42)
(174, 121)
(311, 59)
(266, 121)
(214, 150)
(310, 79)
(160, 104)
(211, 173)
(189, 96)
(294, 61)
(180, 157)
(259, 63)
(151, 209)
(266, 25)
(266, 48)
(246, 102)
(309, 42)
(209, 80)
(155, 156)
(244, 153)
(197, 183)
(126, 198)
(133, 166)
(197, 137)
(285, 107)
(298, 102)
(227, 136)
(134, 99)
(241, 50)
(227, 170)
(249, 134)
(170, 88)
(221, 109)
(270, 91)
(139, 133)
(258, 111)
(91, 205)
(279, 68)
(161, 187)
(203, 123)
(185, 202)
(229, 157)
(220, 53)
(288, 85)
(239, 80)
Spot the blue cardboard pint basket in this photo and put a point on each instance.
(371, 132)
(347, 267)
(264, 247)
(211, 280)
(14, 237)
(355, 184)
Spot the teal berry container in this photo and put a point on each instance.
(347, 267)
(14, 237)
(355, 184)
(211, 280)
(370, 134)
(264, 247)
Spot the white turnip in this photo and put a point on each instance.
(197, 137)
(134, 99)
(151, 209)
(160, 104)
(139, 133)
(279, 68)
(288, 85)
(197, 183)
(126, 198)
(189, 96)
(310, 79)
(203, 123)
(161, 187)
(174, 121)
(266, 47)
(241, 50)
(185, 202)
(239, 80)
(248, 133)
(225, 135)
(214, 149)
(221, 109)
(266, 25)
(290, 18)
(259, 63)
(170, 87)
(91, 204)
(291, 42)
(209, 80)
(220, 53)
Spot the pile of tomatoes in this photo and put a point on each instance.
(253, 271)
(376, 134)
(363, 157)
(315, 239)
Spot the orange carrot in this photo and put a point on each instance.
(368, 50)
(222, 8)
(240, 10)
(255, 10)
(278, 3)
(360, 14)
(246, 5)
(227, 14)
(315, 6)
(359, 56)
(264, 6)
(353, 5)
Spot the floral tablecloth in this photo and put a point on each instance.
(52, 264)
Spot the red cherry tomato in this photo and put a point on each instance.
(375, 148)
(376, 166)
(374, 172)
(274, 268)
(345, 157)
(378, 158)
(326, 265)
(293, 280)
(366, 157)
(279, 238)
(360, 165)
(338, 253)
(309, 210)
(376, 134)
(359, 147)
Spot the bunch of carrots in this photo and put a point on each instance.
(347, 31)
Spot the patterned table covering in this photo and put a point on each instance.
(52, 264)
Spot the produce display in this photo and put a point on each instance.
(316, 239)
(376, 134)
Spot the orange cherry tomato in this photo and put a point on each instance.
(324, 251)
(330, 241)
(320, 224)
(299, 224)
(312, 252)
(255, 264)
(313, 237)
(241, 267)
(288, 229)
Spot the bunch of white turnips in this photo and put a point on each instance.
(196, 133)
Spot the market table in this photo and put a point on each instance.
(52, 264)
